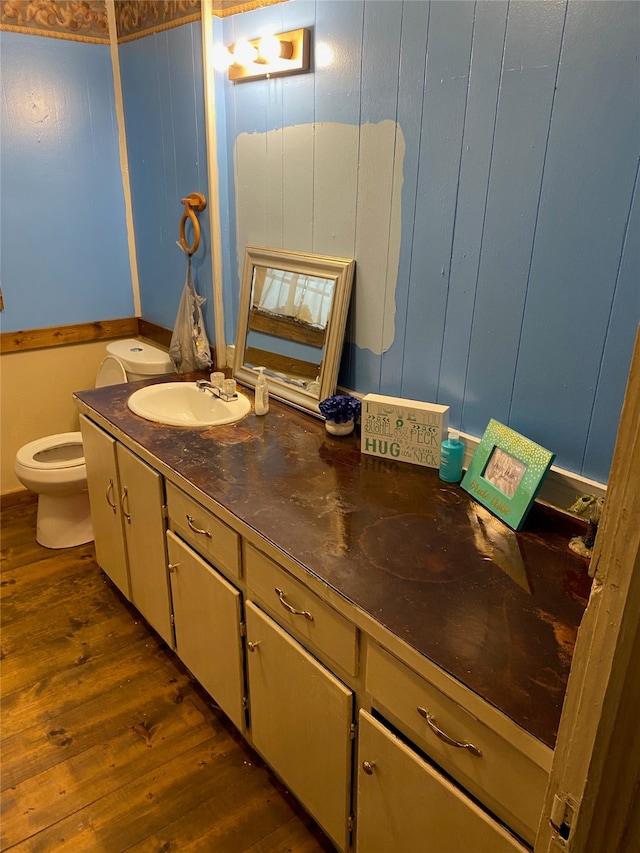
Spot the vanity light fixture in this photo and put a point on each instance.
(272, 55)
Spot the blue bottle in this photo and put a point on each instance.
(451, 458)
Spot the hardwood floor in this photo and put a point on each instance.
(107, 743)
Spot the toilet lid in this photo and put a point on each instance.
(110, 372)
(140, 357)
(64, 450)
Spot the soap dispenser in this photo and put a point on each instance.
(451, 458)
(262, 393)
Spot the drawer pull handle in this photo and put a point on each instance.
(253, 646)
(109, 495)
(368, 766)
(460, 744)
(125, 497)
(195, 529)
(283, 601)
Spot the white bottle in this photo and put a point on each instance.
(262, 393)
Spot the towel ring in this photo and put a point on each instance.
(192, 203)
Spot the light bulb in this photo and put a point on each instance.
(221, 57)
(244, 52)
(269, 48)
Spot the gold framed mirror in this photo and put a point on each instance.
(291, 321)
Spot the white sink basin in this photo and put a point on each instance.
(184, 404)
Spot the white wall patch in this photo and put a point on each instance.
(332, 189)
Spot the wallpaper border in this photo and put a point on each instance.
(72, 20)
(87, 20)
(139, 18)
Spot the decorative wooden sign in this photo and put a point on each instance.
(404, 430)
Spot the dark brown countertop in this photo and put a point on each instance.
(497, 610)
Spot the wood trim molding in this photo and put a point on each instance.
(162, 336)
(223, 8)
(158, 334)
(64, 335)
(215, 215)
(82, 333)
(282, 363)
(286, 327)
(597, 753)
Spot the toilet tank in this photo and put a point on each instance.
(140, 359)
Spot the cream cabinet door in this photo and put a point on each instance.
(104, 497)
(301, 718)
(141, 499)
(405, 804)
(207, 615)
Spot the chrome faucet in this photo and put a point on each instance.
(205, 385)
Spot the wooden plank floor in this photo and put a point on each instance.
(107, 744)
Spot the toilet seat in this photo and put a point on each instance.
(52, 452)
(111, 372)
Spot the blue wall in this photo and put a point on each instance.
(163, 93)
(517, 290)
(517, 293)
(64, 242)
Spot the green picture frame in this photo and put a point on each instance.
(506, 473)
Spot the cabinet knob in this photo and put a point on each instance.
(368, 766)
(253, 646)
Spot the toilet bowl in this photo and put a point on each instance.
(54, 466)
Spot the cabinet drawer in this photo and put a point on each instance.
(406, 804)
(507, 781)
(315, 623)
(209, 536)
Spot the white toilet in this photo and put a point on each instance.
(54, 466)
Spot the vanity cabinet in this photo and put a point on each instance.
(301, 722)
(383, 747)
(207, 619)
(406, 804)
(127, 507)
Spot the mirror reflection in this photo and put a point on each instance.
(287, 324)
(291, 305)
(293, 309)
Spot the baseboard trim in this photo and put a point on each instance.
(20, 497)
